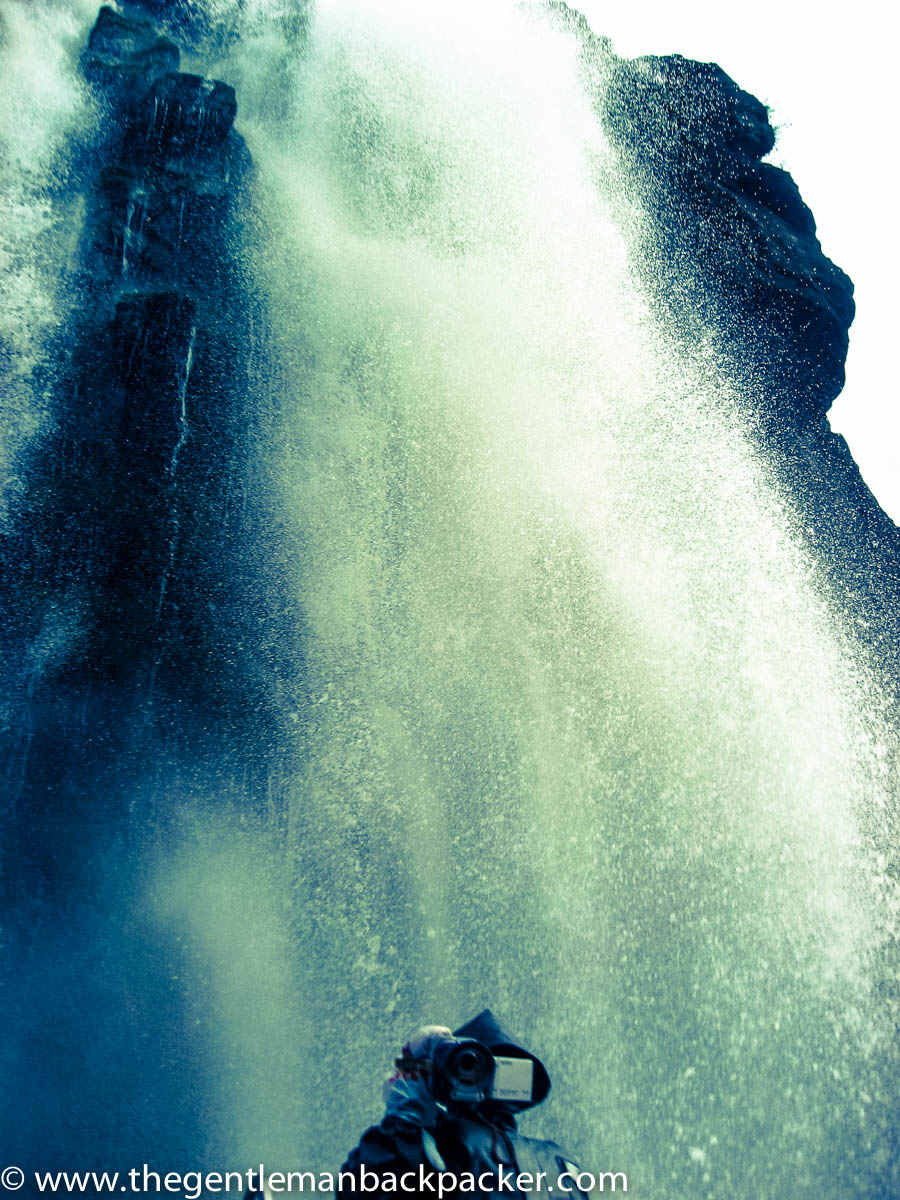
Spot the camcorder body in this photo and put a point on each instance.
(465, 1071)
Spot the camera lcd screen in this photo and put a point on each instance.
(513, 1079)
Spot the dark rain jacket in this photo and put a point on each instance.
(483, 1142)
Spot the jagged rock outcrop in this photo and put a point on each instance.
(132, 579)
(125, 56)
(734, 246)
(151, 420)
(729, 255)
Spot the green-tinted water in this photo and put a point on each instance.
(574, 733)
(581, 741)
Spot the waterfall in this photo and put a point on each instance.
(565, 725)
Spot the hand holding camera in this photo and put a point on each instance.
(406, 1094)
(449, 1070)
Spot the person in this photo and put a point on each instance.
(422, 1137)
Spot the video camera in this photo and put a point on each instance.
(464, 1071)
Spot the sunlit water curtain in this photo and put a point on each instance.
(583, 741)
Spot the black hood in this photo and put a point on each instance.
(484, 1028)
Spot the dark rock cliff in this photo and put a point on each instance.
(735, 247)
(134, 593)
(728, 252)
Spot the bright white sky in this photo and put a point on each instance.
(828, 72)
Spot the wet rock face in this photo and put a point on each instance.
(210, 28)
(713, 116)
(129, 499)
(750, 265)
(727, 252)
(730, 255)
(157, 257)
(728, 249)
(126, 54)
(162, 201)
(143, 233)
(184, 20)
(183, 126)
(134, 560)
(172, 162)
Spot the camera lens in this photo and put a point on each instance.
(471, 1064)
(467, 1062)
(462, 1071)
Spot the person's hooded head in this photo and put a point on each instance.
(484, 1028)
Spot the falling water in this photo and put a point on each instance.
(44, 106)
(573, 733)
(183, 432)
